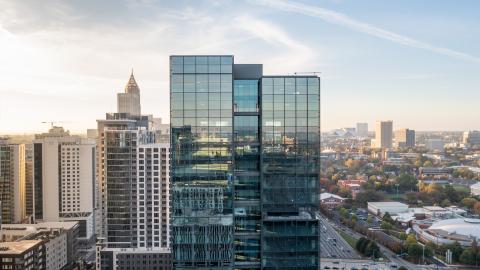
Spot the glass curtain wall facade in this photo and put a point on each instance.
(202, 161)
(247, 213)
(244, 166)
(290, 170)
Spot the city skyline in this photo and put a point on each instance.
(66, 62)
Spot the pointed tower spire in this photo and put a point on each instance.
(132, 86)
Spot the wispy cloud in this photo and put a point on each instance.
(344, 20)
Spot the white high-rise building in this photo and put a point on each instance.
(12, 182)
(362, 130)
(384, 134)
(133, 173)
(64, 180)
(153, 197)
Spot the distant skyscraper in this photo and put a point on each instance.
(29, 204)
(64, 181)
(245, 166)
(129, 102)
(362, 130)
(12, 181)
(384, 134)
(134, 184)
(471, 138)
(435, 144)
(162, 131)
(405, 138)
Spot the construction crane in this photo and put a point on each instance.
(54, 122)
(307, 72)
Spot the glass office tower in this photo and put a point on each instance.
(244, 166)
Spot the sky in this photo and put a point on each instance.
(416, 62)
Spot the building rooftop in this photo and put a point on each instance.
(476, 185)
(462, 226)
(388, 204)
(327, 195)
(138, 250)
(434, 208)
(67, 225)
(18, 247)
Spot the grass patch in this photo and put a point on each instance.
(461, 188)
(350, 239)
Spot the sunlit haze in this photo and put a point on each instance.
(415, 62)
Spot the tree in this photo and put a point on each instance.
(362, 244)
(406, 182)
(386, 226)
(402, 236)
(372, 249)
(445, 203)
(368, 196)
(468, 257)
(476, 208)
(354, 218)
(410, 240)
(369, 220)
(402, 268)
(343, 212)
(387, 218)
(469, 202)
(415, 251)
(427, 163)
(451, 193)
(456, 250)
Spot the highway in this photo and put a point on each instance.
(394, 260)
(332, 245)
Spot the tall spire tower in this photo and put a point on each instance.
(129, 102)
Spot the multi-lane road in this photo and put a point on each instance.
(330, 249)
(332, 245)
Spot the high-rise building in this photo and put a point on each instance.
(405, 138)
(435, 144)
(134, 183)
(29, 204)
(244, 167)
(64, 182)
(129, 101)
(162, 131)
(471, 138)
(12, 181)
(362, 130)
(383, 134)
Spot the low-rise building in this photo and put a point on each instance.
(449, 231)
(435, 172)
(330, 200)
(436, 212)
(23, 255)
(132, 258)
(353, 186)
(380, 208)
(58, 238)
(475, 189)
